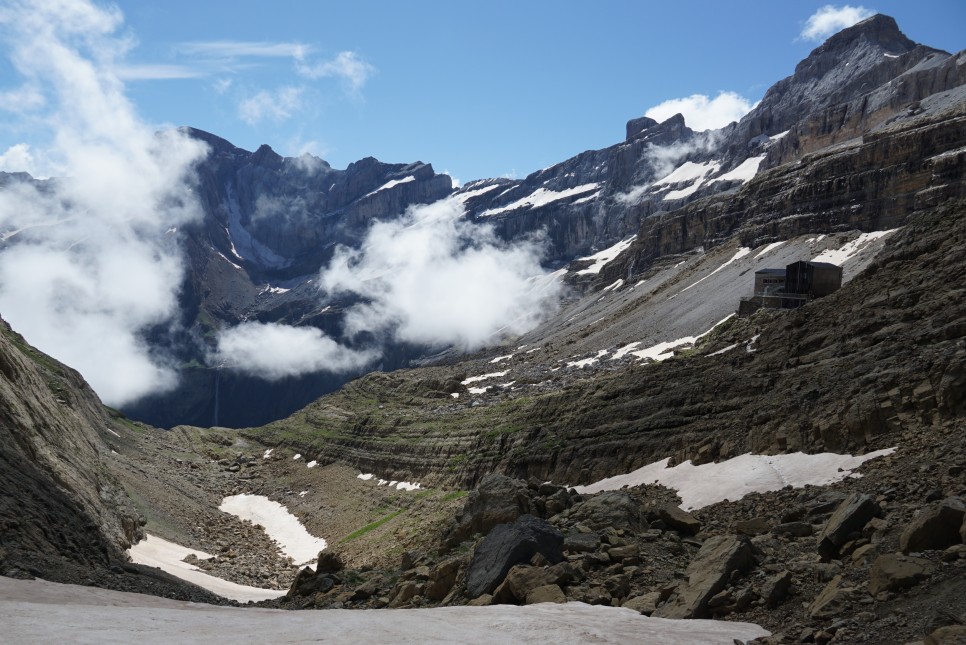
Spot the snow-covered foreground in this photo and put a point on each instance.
(39, 611)
(168, 556)
(279, 524)
(700, 486)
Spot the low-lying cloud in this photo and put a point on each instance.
(433, 277)
(664, 159)
(89, 262)
(702, 112)
(831, 19)
(272, 351)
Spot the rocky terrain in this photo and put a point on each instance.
(642, 362)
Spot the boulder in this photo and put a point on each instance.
(679, 520)
(610, 509)
(329, 562)
(546, 593)
(710, 570)
(752, 527)
(832, 600)
(497, 500)
(775, 589)
(849, 518)
(646, 604)
(507, 545)
(308, 582)
(793, 529)
(892, 572)
(948, 635)
(522, 579)
(581, 542)
(937, 527)
(442, 578)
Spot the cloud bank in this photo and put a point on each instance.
(703, 113)
(831, 19)
(272, 351)
(434, 278)
(87, 262)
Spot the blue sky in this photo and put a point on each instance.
(476, 89)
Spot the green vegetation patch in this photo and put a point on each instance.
(370, 527)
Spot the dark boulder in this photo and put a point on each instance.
(497, 500)
(508, 545)
(937, 527)
(848, 519)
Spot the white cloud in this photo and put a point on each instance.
(231, 49)
(157, 72)
(22, 99)
(272, 351)
(17, 158)
(346, 65)
(831, 19)
(703, 113)
(278, 105)
(87, 265)
(432, 277)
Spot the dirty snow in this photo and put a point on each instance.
(268, 453)
(470, 194)
(588, 361)
(113, 433)
(296, 457)
(153, 551)
(483, 377)
(700, 486)
(312, 464)
(365, 477)
(723, 350)
(617, 284)
(769, 248)
(665, 350)
(479, 390)
(390, 184)
(455, 395)
(601, 258)
(41, 611)
(502, 358)
(841, 255)
(744, 172)
(280, 525)
(740, 253)
(540, 197)
(688, 171)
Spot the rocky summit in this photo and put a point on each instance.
(678, 438)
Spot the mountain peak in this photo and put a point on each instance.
(880, 30)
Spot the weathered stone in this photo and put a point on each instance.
(775, 589)
(308, 582)
(507, 545)
(610, 509)
(618, 553)
(850, 516)
(679, 520)
(497, 500)
(825, 503)
(522, 579)
(329, 562)
(581, 542)
(752, 527)
(645, 604)
(794, 529)
(937, 527)
(892, 572)
(546, 593)
(708, 573)
(948, 635)
(832, 600)
(442, 578)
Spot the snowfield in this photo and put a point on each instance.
(40, 611)
(700, 486)
(278, 523)
(168, 556)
